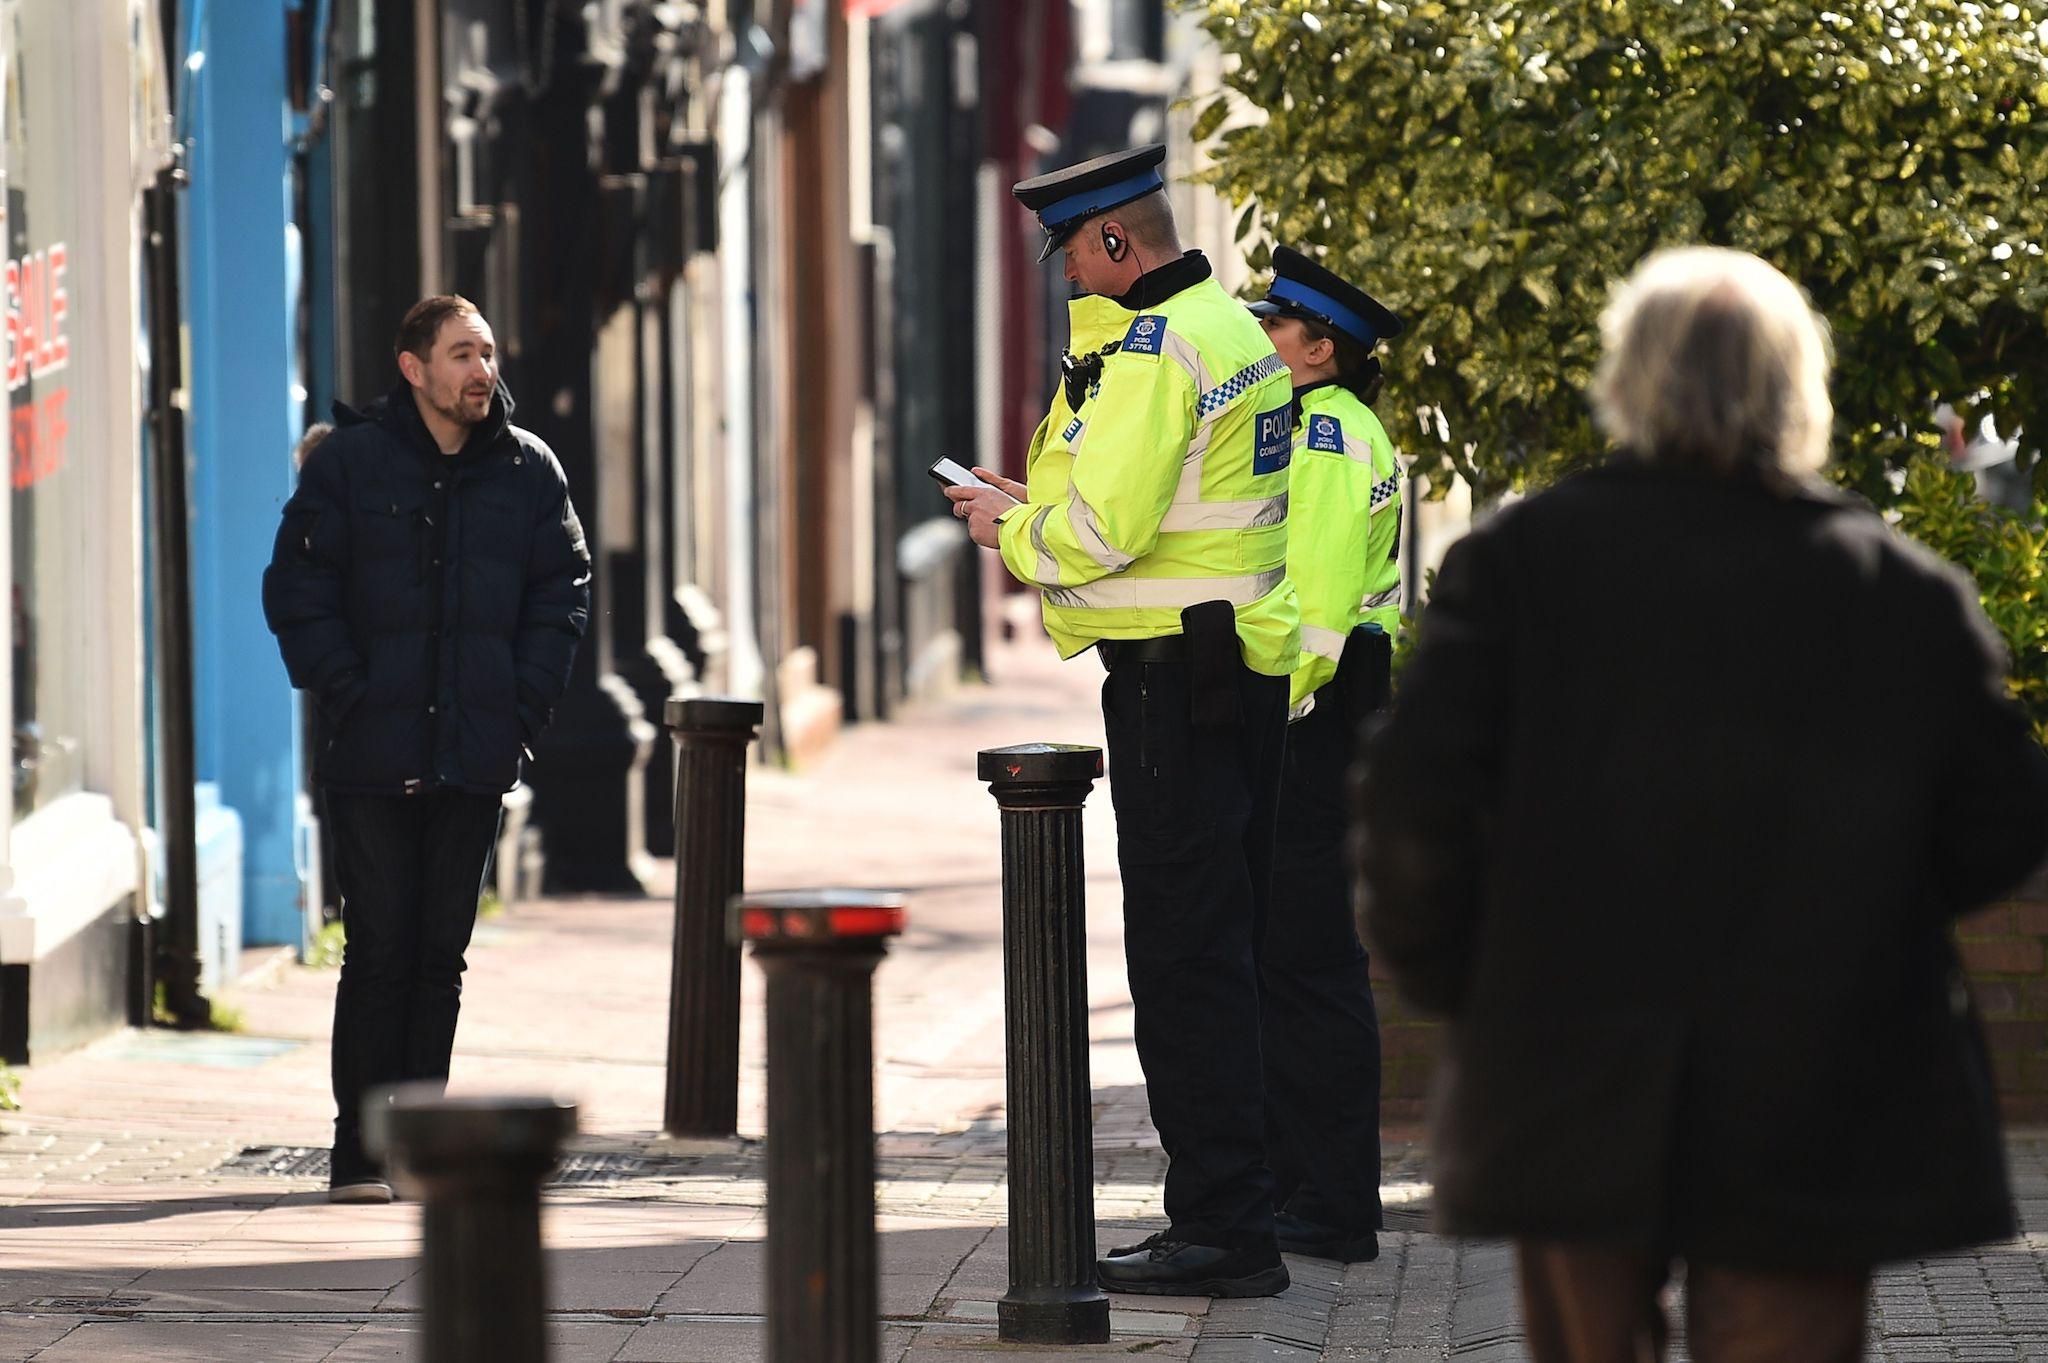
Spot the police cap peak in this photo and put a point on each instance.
(1064, 199)
(1302, 288)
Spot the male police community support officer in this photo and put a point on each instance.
(1321, 1031)
(1154, 521)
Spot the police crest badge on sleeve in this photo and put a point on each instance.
(1147, 335)
(1325, 433)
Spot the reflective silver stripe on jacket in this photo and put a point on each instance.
(1088, 535)
(1048, 574)
(1140, 593)
(1391, 596)
(1225, 515)
(1324, 643)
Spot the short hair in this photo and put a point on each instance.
(1149, 220)
(422, 322)
(1714, 359)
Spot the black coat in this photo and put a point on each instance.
(431, 603)
(1678, 799)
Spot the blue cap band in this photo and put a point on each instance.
(1060, 212)
(1301, 295)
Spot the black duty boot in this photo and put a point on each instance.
(1175, 1268)
(1298, 1235)
(1124, 1251)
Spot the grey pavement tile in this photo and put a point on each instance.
(596, 1288)
(726, 1282)
(252, 1299)
(217, 1267)
(29, 1289)
(1253, 1351)
(671, 1341)
(911, 1294)
(576, 1341)
(379, 1343)
(398, 1341)
(951, 1344)
(151, 1341)
(909, 1247)
(22, 1337)
(675, 1257)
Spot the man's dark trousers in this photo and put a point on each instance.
(410, 868)
(1321, 1032)
(1194, 814)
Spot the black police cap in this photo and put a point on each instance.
(1302, 288)
(1064, 199)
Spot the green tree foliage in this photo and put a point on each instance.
(1491, 167)
(2009, 558)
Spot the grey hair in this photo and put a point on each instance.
(1149, 221)
(1714, 359)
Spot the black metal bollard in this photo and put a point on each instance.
(476, 1165)
(712, 734)
(819, 949)
(1053, 1296)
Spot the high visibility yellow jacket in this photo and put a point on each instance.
(1167, 485)
(1344, 520)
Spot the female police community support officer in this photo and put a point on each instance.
(1154, 522)
(1321, 1033)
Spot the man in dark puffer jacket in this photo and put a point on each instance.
(428, 587)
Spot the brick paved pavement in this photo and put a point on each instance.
(123, 1236)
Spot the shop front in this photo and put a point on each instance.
(78, 93)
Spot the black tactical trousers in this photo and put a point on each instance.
(1321, 1032)
(1194, 816)
(410, 868)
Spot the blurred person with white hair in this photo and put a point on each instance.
(1694, 766)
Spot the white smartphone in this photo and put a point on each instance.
(949, 472)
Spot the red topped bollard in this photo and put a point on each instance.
(703, 1086)
(1053, 1296)
(819, 950)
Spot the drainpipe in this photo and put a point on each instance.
(176, 954)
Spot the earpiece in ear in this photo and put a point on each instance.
(1112, 244)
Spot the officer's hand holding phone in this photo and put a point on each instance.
(980, 501)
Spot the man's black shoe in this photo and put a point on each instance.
(1125, 1251)
(1300, 1236)
(1174, 1268)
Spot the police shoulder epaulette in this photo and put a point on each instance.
(1147, 335)
(1325, 433)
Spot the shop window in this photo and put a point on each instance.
(47, 326)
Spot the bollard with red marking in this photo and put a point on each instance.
(819, 950)
(1053, 1297)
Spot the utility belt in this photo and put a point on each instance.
(1167, 648)
(1208, 644)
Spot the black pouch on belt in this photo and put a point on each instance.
(1213, 661)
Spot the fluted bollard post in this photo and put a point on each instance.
(712, 734)
(476, 1165)
(819, 950)
(1053, 1296)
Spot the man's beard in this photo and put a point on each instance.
(456, 409)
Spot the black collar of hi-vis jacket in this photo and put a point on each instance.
(1162, 282)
